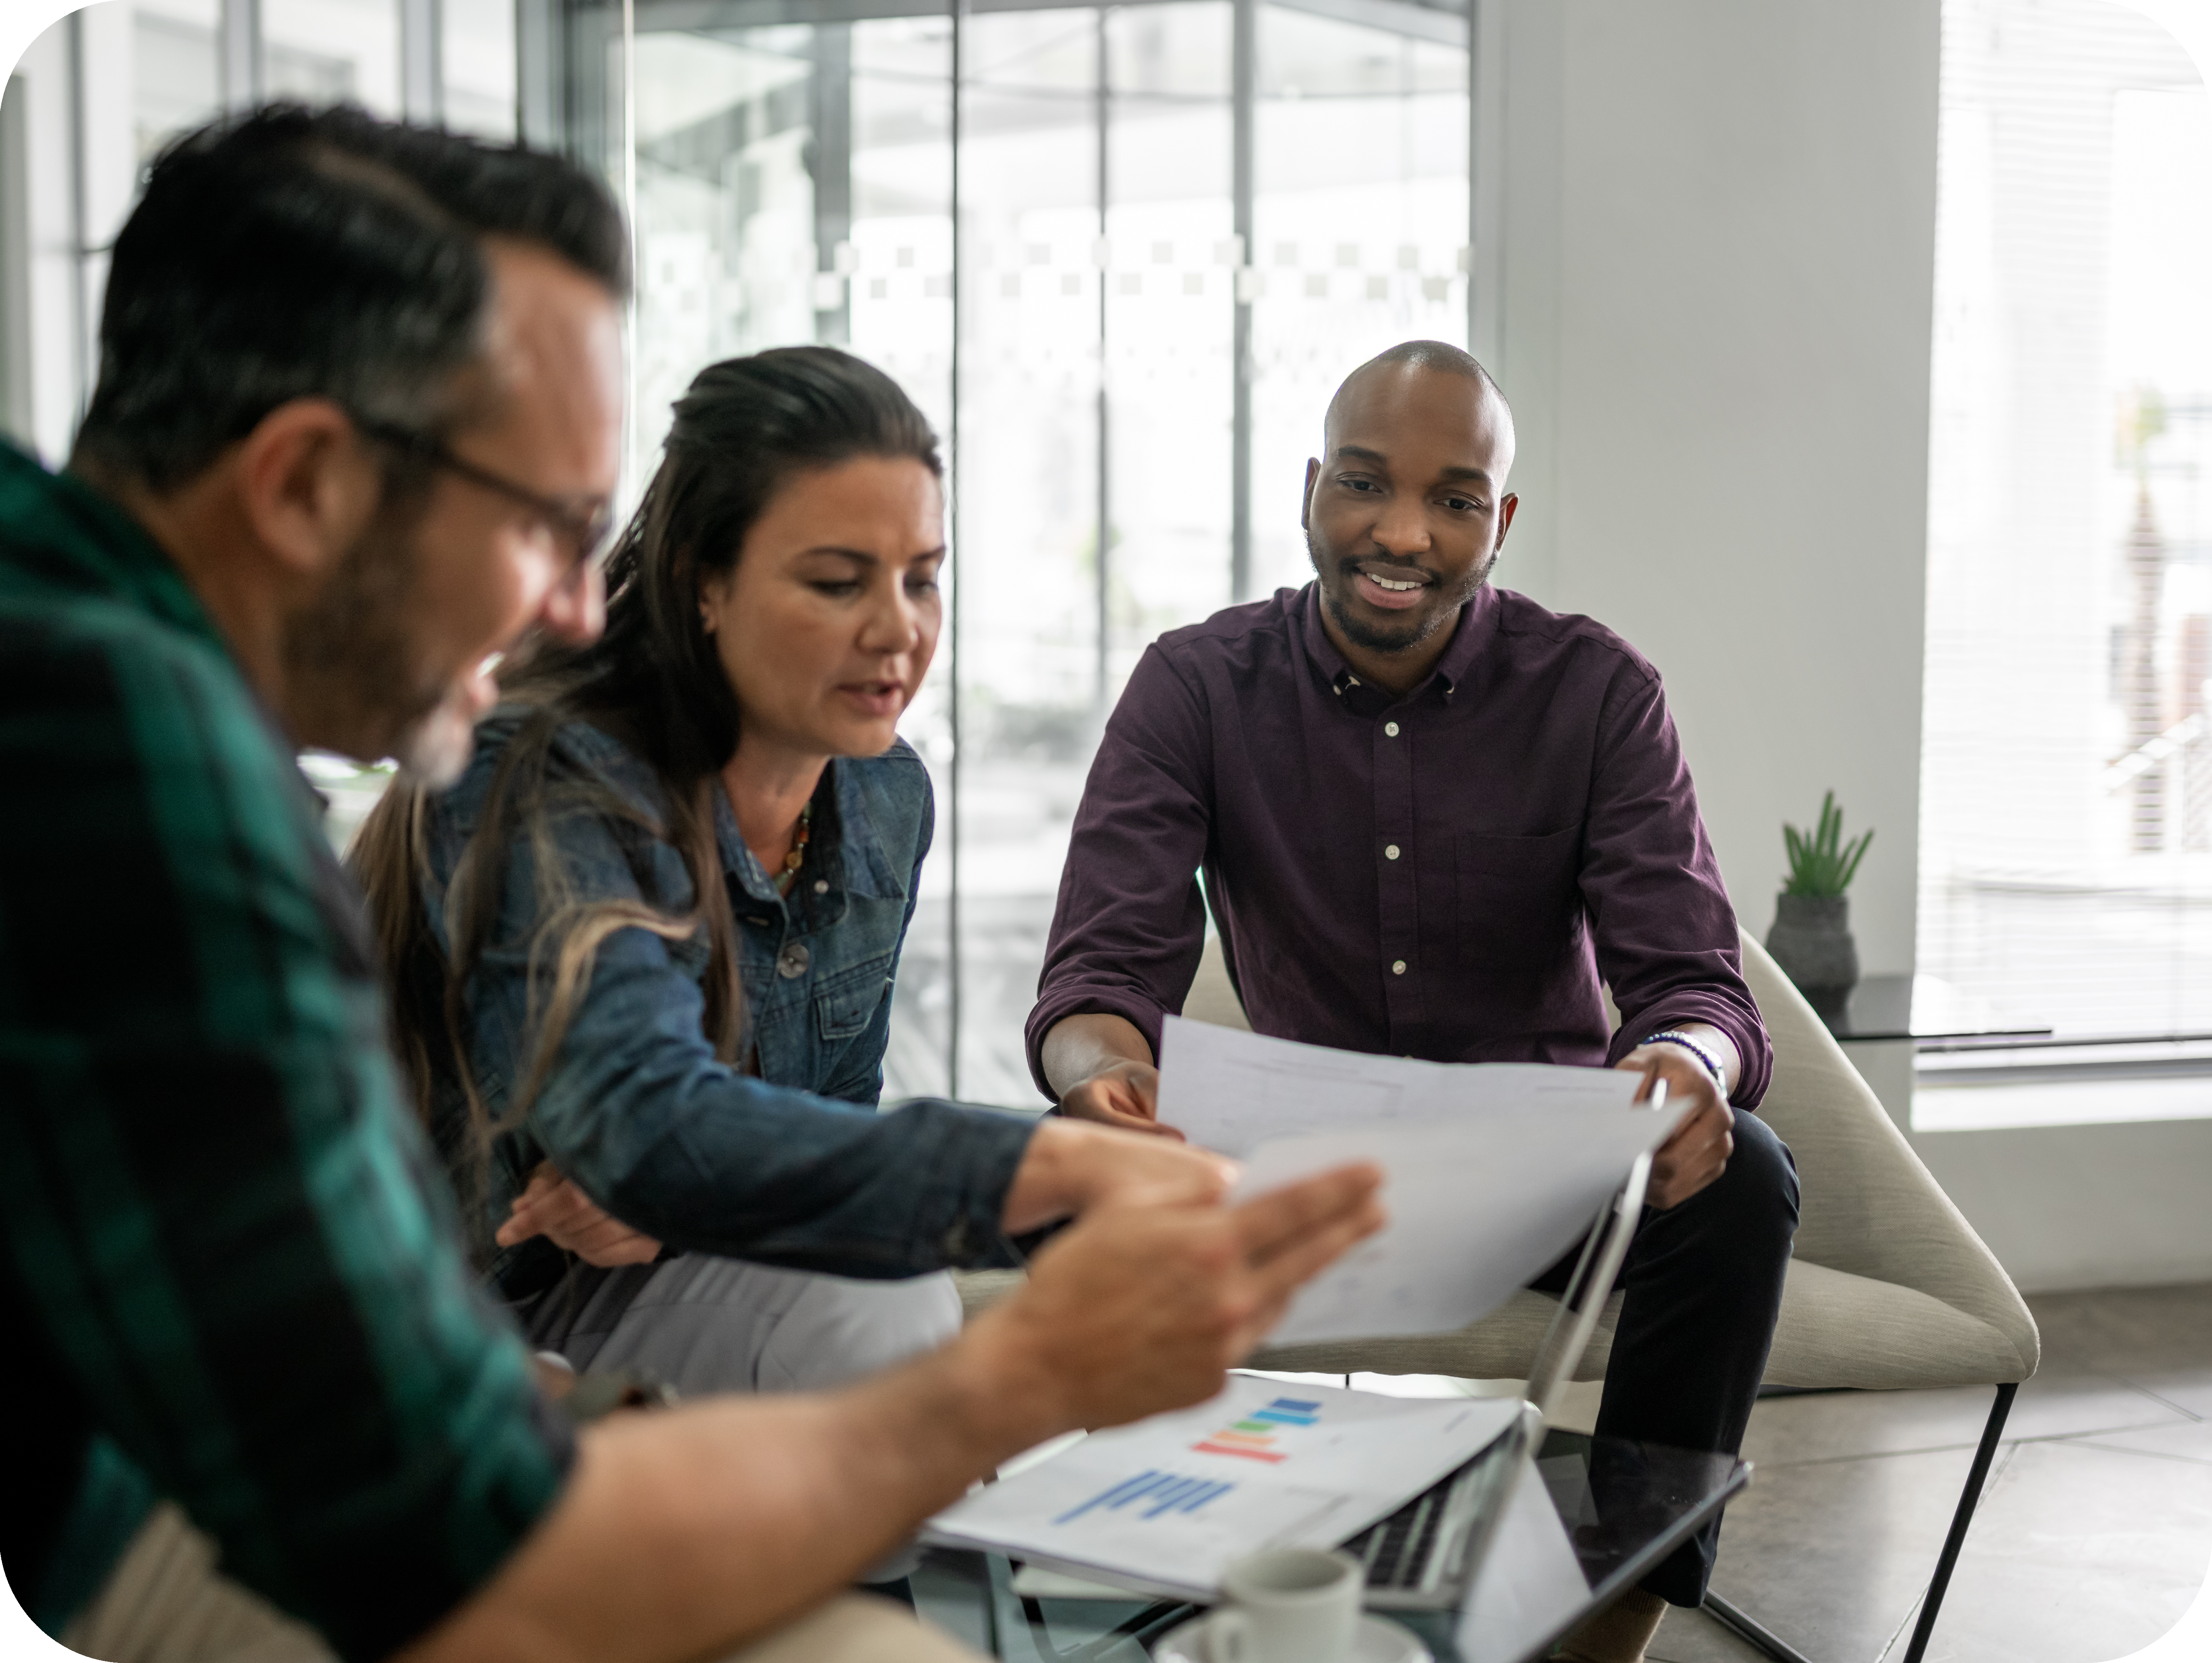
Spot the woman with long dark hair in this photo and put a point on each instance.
(669, 895)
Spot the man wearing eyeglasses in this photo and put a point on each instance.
(356, 428)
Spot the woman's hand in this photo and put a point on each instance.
(556, 1209)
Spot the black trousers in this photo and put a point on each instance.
(1704, 1286)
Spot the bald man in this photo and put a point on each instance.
(1432, 819)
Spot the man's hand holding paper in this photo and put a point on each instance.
(1698, 1151)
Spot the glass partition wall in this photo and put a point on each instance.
(1121, 255)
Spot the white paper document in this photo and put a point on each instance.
(1227, 1089)
(1165, 1504)
(1492, 1170)
(1476, 1212)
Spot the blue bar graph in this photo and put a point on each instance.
(1161, 1492)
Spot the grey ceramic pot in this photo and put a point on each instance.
(1811, 940)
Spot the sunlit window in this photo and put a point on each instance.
(2066, 843)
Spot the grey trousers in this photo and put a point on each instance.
(166, 1602)
(704, 1323)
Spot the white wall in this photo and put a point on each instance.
(2085, 1206)
(1712, 317)
(34, 43)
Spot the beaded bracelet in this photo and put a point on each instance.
(1712, 1063)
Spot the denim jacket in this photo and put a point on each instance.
(796, 1168)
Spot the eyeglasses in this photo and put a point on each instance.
(582, 528)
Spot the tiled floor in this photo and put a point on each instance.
(2092, 1536)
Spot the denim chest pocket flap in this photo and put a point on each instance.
(845, 1002)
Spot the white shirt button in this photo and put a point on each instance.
(1391, 728)
(822, 886)
(1390, 852)
(1397, 966)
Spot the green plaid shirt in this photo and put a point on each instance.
(228, 1275)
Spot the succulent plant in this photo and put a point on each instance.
(1822, 863)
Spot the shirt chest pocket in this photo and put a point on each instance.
(1519, 903)
(845, 1002)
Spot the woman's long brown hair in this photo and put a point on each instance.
(652, 681)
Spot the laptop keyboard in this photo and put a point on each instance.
(1396, 1549)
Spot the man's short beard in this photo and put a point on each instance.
(350, 663)
(1372, 638)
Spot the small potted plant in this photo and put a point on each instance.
(1811, 939)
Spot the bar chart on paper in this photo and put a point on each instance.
(1149, 1495)
(1165, 1504)
(1258, 1436)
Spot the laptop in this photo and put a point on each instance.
(1424, 1555)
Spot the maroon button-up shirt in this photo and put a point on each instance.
(1449, 875)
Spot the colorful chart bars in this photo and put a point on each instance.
(1253, 1437)
(1159, 1492)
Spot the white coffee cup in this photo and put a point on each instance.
(1290, 1605)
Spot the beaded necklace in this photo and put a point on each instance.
(791, 862)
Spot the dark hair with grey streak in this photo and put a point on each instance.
(287, 254)
(744, 428)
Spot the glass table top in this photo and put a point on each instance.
(1594, 1515)
(1922, 1008)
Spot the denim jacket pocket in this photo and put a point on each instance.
(844, 1002)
